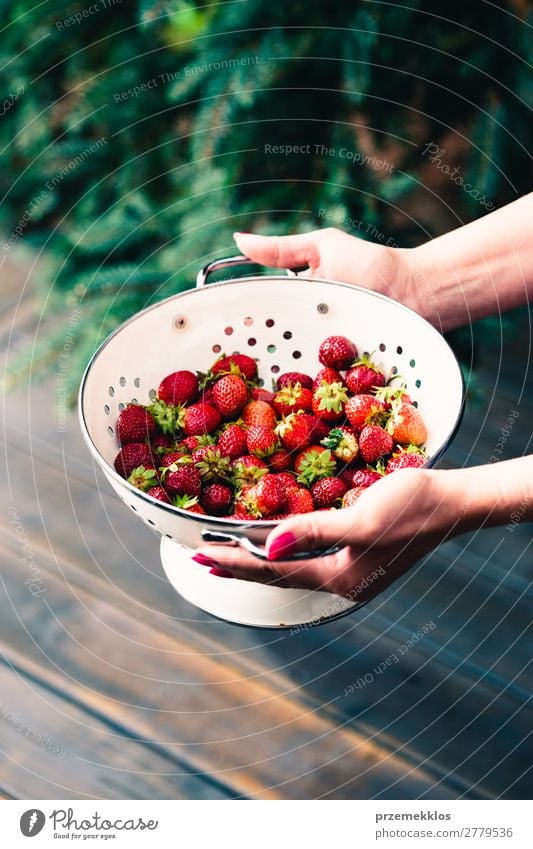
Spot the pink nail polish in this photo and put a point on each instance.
(282, 546)
(204, 560)
(221, 573)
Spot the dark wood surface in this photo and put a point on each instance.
(112, 686)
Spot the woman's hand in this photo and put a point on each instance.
(393, 523)
(334, 255)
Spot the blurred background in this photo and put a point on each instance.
(135, 138)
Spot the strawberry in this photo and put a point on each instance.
(362, 410)
(180, 387)
(362, 478)
(211, 464)
(170, 458)
(247, 470)
(288, 479)
(183, 480)
(406, 425)
(232, 442)
(343, 442)
(388, 394)
(330, 375)
(265, 497)
(364, 376)
(410, 458)
(131, 456)
(337, 352)
(329, 400)
(328, 492)
(200, 418)
(134, 424)
(159, 493)
(295, 432)
(206, 396)
(234, 364)
(280, 460)
(351, 496)
(143, 478)
(217, 499)
(167, 416)
(260, 394)
(189, 503)
(293, 377)
(259, 413)
(162, 443)
(261, 441)
(240, 512)
(314, 463)
(374, 442)
(292, 398)
(191, 443)
(230, 395)
(299, 500)
(319, 428)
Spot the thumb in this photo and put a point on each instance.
(310, 532)
(280, 251)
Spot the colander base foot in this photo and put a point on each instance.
(243, 602)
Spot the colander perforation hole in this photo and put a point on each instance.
(150, 522)
(287, 334)
(418, 383)
(121, 407)
(274, 369)
(134, 400)
(106, 409)
(137, 382)
(252, 341)
(412, 363)
(271, 349)
(270, 322)
(228, 331)
(110, 431)
(152, 394)
(394, 370)
(399, 349)
(133, 507)
(122, 381)
(248, 321)
(111, 391)
(296, 355)
(382, 346)
(216, 349)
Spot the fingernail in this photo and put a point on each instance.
(221, 573)
(282, 546)
(204, 560)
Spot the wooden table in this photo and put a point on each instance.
(111, 686)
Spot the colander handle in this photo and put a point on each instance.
(258, 550)
(227, 262)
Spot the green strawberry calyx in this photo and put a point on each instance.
(169, 418)
(332, 396)
(143, 478)
(315, 465)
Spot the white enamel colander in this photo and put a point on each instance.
(280, 320)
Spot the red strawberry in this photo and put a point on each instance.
(406, 425)
(234, 364)
(337, 352)
(291, 398)
(412, 458)
(362, 410)
(314, 463)
(183, 480)
(134, 424)
(351, 496)
(374, 442)
(328, 492)
(232, 442)
(343, 442)
(280, 460)
(191, 443)
(259, 413)
(189, 503)
(329, 400)
(292, 377)
(180, 387)
(330, 375)
(261, 441)
(266, 497)
(389, 394)
(200, 418)
(171, 459)
(210, 463)
(260, 394)
(240, 512)
(288, 479)
(206, 396)
(230, 395)
(162, 443)
(319, 428)
(247, 470)
(295, 431)
(217, 499)
(364, 376)
(131, 456)
(360, 478)
(143, 478)
(299, 500)
(167, 416)
(159, 493)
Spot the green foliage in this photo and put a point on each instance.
(140, 139)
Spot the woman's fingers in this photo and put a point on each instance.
(313, 532)
(280, 251)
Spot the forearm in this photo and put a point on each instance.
(481, 269)
(485, 496)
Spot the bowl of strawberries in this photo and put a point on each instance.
(225, 409)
